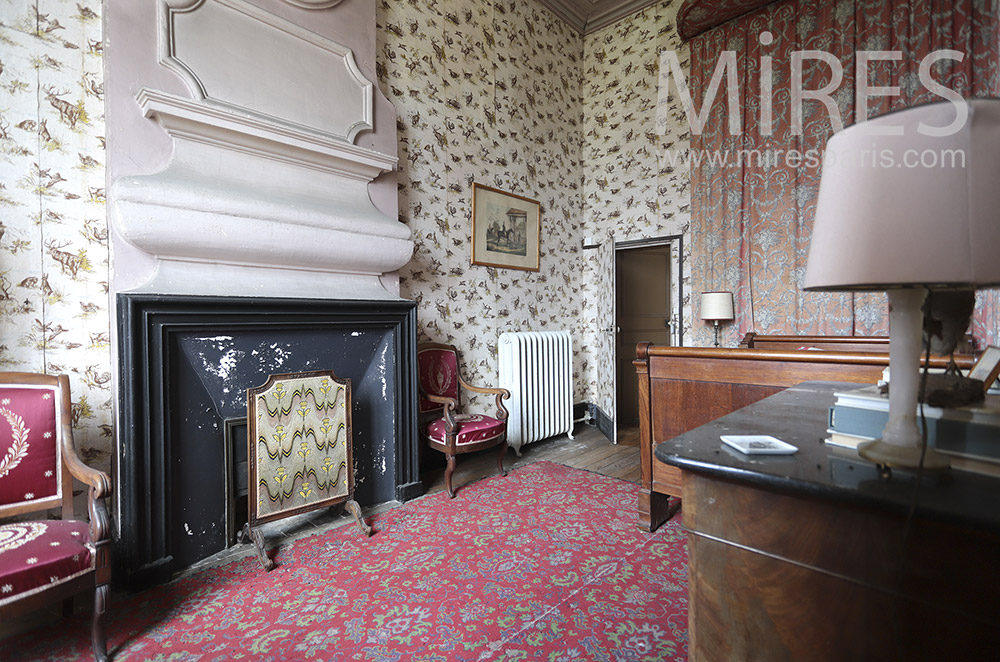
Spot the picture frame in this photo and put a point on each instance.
(987, 368)
(506, 229)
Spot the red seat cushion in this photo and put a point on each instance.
(35, 555)
(471, 428)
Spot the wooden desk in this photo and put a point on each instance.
(805, 557)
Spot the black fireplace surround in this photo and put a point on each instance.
(185, 365)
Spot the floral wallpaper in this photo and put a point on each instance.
(631, 191)
(499, 92)
(53, 229)
(488, 92)
(504, 94)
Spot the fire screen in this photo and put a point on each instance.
(298, 450)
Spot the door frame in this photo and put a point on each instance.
(677, 302)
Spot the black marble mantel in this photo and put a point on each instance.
(185, 364)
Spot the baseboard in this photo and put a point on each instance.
(409, 491)
(605, 423)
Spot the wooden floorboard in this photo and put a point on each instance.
(589, 450)
(592, 458)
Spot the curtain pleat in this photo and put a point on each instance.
(752, 212)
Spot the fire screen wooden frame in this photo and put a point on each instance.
(299, 450)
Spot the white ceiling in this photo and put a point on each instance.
(589, 15)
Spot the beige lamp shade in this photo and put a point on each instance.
(717, 305)
(909, 201)
(911, 208)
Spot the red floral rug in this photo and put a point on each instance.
(545, 564)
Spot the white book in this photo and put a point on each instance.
(986, 412)
(844, 440)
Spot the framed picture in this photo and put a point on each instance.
(505, 229)
(987, 368)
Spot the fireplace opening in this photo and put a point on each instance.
(237, 509)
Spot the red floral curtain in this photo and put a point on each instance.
(752, 216)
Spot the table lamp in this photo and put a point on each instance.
(717, 307)
(909, 202)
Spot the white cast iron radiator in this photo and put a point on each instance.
(537, 368)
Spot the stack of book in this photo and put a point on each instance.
(970, 435)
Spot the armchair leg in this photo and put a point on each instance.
(500, 456)
(447, 475)
(97, 635)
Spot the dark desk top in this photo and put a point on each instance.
(798, 415)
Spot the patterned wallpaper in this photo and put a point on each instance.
(630, 191)
(53, 229)
(498, 92)
(488, 92)
(504, 94)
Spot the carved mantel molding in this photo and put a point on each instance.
(314, 4)
(266, 192)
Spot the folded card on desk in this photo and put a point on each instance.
(972, 431)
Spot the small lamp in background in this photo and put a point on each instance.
(717, 307)
(909, 202)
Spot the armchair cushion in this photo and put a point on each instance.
(36, 555)
(29, 456)
(471, 428)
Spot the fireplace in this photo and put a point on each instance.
(185, 366)
(254, 231)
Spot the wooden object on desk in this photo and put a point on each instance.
(963, 357)
(804, 556)
(681, 388)
(836, 343)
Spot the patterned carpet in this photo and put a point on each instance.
(545, 564)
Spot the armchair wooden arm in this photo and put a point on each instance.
(98, 481)
(501, 393)
(100, 487)
(450, 405)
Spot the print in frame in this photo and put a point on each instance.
(299, 450)
(506, 229)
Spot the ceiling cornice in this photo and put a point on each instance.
(568, 12)
(586, 16)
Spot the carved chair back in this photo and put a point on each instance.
(437, 367)
(33, 473)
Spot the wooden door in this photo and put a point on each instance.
(643, 311)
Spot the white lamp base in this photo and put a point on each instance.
(902, 441)
(904, 457)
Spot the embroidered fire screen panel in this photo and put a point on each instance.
(300, 455)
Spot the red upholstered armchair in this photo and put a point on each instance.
(441, 425)
(48, 561)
